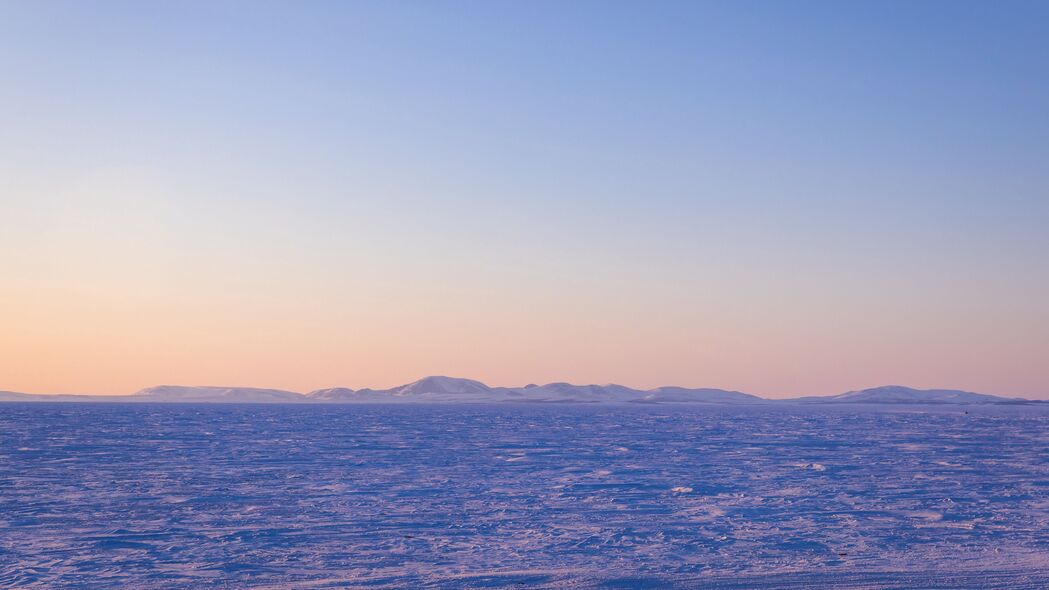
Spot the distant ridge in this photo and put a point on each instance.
(441, 389)
(454, 389)
(898, 394)
(181, 393)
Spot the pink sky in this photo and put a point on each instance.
(784, 203)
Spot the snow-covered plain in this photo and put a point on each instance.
(556, 496)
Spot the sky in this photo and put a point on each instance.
(784, 198)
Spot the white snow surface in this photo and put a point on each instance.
(469, 496)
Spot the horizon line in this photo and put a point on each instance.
(528, 385)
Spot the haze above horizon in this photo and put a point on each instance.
(789, 199)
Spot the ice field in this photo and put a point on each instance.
(558, 496)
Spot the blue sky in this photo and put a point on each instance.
(780, 197)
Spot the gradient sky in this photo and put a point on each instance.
(784, 198)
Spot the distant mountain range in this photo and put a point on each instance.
(455, 390)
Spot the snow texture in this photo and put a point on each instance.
(523, 496)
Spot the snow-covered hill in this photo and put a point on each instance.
(567, 392)
(701, 395)
(11, 396)
(332, 394)
(428, 389)
(898, 394)
(441, 385)
(180, 393)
